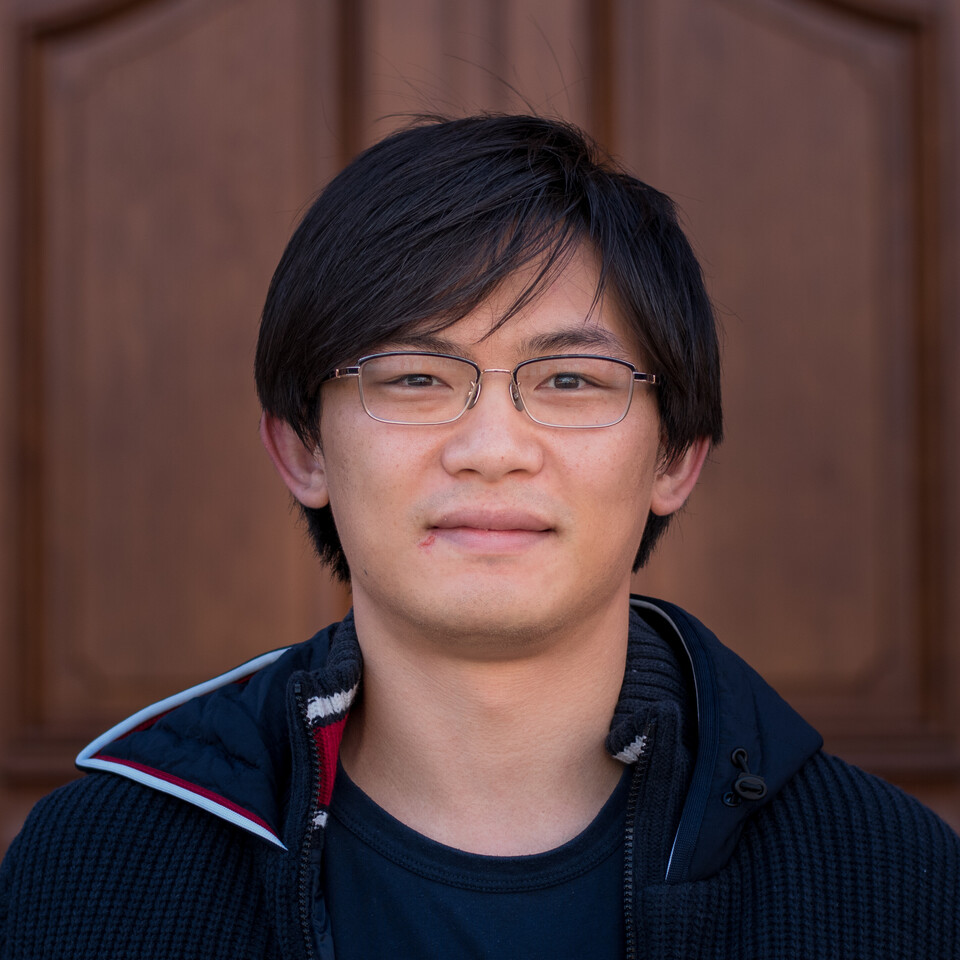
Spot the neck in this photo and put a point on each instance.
(500, 755)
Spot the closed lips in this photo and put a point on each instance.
(492, 520)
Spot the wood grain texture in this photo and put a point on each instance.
(798, 140)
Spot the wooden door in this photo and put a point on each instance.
(155, 157)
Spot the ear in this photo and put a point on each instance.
(301, 469)
(675, 481)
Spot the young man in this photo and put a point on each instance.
(489, 376)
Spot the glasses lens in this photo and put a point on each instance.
(415, 387)
(576, 391)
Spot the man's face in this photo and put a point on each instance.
(493, 532)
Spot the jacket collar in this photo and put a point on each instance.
(742, 725)
(225, 745)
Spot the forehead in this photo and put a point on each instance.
(567, 312)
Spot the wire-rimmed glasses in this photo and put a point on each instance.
(565, 390)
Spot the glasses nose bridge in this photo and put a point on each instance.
(478, 386)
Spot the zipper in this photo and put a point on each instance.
(629, 883)
(303, 894)
(708, 725)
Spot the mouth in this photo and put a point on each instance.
(497, 531)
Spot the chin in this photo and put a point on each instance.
(497, 616)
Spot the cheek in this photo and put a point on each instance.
(616, 481)
(372, 482)
(620, 468)
(356, 458)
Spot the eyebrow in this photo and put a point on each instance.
(579, 339)
(422, 341)
(576, 338)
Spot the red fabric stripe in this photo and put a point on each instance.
(193, 788)
(327, 739)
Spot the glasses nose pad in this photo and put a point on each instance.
(473, 395)
(515, 395)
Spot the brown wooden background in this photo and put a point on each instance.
(154, 157)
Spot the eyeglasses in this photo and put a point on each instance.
(558, 391)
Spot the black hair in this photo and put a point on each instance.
(423, 226)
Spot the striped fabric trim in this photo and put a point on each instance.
(95, 756)
(191, 793)
(328, 709)
(143, 718)
(633, 751)
(326, 717)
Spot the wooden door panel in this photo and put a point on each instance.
(433, 56)
(798, 142)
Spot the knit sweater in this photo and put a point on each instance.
(829, 862)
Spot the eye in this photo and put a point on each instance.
(566, 381)
(580, 375)
(418, 380)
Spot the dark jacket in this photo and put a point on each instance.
(199, 830)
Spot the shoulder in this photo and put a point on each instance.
(91, 816)
(848, 805)
(832, 812)
(102, 851)
(872, 866)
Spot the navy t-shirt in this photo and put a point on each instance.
(391, 892)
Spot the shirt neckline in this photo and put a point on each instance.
(405, 847)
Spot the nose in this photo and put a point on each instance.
(490, 439)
